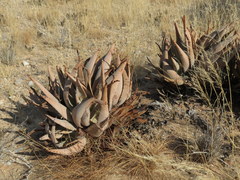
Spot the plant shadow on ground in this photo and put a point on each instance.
(158, 90)
(208, 138)
(142, 81)
(26, 118)
(23, 114)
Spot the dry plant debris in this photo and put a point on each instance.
(81, 102)
(220, 47)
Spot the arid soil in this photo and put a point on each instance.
(181, 122)
(182, 137)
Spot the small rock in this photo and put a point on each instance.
(25, 63)
(18, 82)
(11, 97)
(30, 83)
(156, 105)
(191, 112)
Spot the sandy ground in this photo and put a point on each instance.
(17, 159)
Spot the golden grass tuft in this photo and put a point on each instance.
(128, 158)
(119, 157)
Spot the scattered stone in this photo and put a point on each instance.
(29, 47)
(18, 82)
(156, 105)
(147, 127)
(30, 84)
(25, 63)
(191, 112)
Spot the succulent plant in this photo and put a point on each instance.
(81, 102)
(179, 55)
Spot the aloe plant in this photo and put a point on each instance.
(80, 102)
(179, 55)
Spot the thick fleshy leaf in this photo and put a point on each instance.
(201, 41)
(171, 74)
(174, 64)
(52, 134)
(125, 89)
(88, 68)
(116, 73)
(80, 109)
(119, 89)
(166, 47)
(72, 150)
(47, 138)
(73, 79)
(44, 90)
(179, 38)
(190, 47)
(83, 89)
(223, 32)
(182, 56)
(61, 76)
(220, 46)
(63, 123)
(96, 130)
(108, 58)
(118, 61)
(80, 74)
(85, 120)
(104, 112)
(62, 110)
(66, 93)
(106, 63)
(115, 79)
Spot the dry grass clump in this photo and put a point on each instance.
(215, 12)
(127, 155)
(7, 52)
(123, 155)
(202, 134)
(207, 143)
